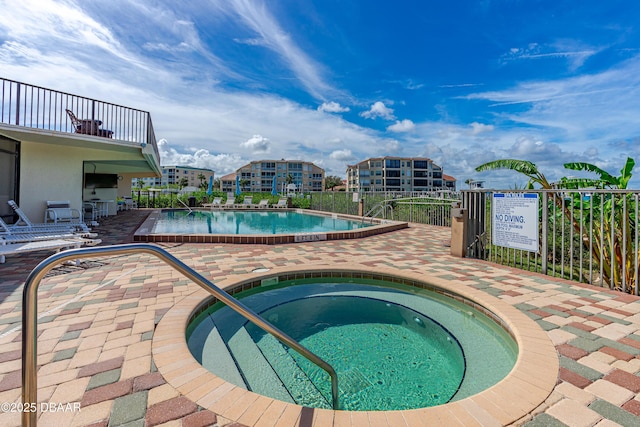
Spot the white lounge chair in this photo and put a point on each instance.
(215, 203)
(22, 240)
(264, 203)
(25, 224)
(282, 203)
(248, 202)
(231, 202)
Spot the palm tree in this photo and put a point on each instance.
(605, 179)
(525, 167)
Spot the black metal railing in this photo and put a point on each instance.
(36, 107)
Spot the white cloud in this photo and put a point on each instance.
(342, 155)
(221, 164)
(405, 125)
(269, 33)
(478, 128)
(332, 107)
(378, 109)
(257, 144)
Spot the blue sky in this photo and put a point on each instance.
(335, 82)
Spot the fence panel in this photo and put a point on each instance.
(589, 236)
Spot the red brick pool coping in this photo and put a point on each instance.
(144, 233)
(525, 388)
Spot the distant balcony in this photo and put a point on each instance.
(36, 107)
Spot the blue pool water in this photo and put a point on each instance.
(392, 346)
(250, 222)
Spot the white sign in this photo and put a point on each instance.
(355, 197)
(514, 220)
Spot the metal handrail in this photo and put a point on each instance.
(30, 315)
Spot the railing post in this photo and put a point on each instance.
(544, 242)
(18, 104)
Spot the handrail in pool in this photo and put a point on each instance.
(30, 315)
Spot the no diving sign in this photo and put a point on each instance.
(514, 220)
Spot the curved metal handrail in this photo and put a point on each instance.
(30, 315)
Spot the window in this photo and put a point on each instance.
(420, 164)
(392, 163)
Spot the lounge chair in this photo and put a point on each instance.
(231, 202)
(282, 203)
(18, 241)
(264, 203)
(24, 224)
(248, 202)
(215, 203)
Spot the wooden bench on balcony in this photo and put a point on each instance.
(88, 126)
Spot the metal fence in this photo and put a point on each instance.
(41, 108)
(433, 208)
(587, 236)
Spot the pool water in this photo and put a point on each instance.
(249, 222)
(393, 346)
(386, 356)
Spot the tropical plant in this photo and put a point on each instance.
(331, 182)
(615, 255)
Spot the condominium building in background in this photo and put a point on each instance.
(174, 174)
(398, 174)
(290, 175)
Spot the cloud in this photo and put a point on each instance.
(573, 52)
(378, 109)
(269, 34)
(342, 155)
(332, 107)
(221, 164)
(405, 125)
(478, 128)
(257, 144)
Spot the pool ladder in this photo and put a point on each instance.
(30, 315)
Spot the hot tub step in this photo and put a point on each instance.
(303, 391)
(213, 352)
(257, 371)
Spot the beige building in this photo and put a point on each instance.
(397, 174)
(172, 175)
(259, 175)
(74, 148)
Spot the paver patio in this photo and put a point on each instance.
(97, 325)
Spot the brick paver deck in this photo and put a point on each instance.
(98, 325)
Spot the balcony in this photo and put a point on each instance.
(42, 113)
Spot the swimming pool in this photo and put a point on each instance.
(392, 347)
(257, 226)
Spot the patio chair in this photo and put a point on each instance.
(26, 225)
(61, 211)
(264, 203)
(88, 126)
(129, 203)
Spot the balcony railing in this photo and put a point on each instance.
(36, 107)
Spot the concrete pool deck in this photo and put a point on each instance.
(101, 326)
